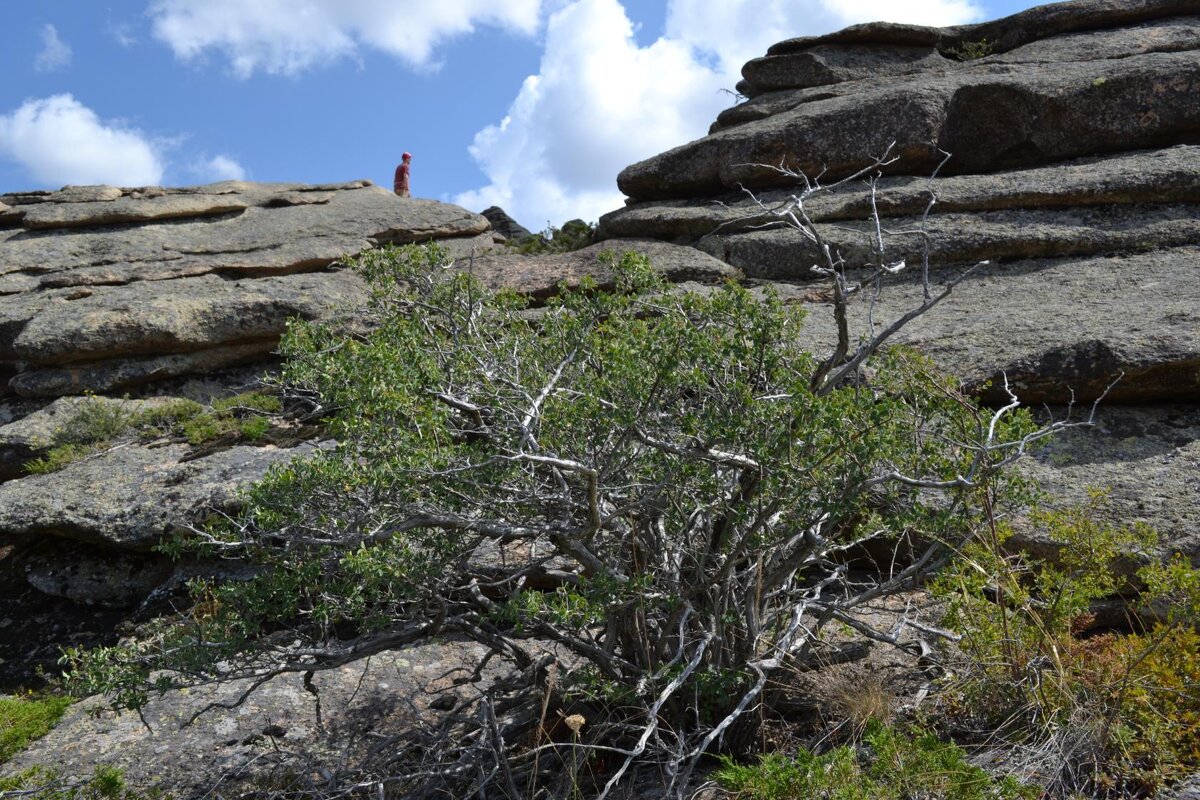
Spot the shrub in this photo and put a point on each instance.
(971, 51)
(675, 488)
(1115, 713)
(891, 764)
(573, 235)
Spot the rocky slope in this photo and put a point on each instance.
(181, 295)
(1073, 134)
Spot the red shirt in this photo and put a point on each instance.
(400, 184)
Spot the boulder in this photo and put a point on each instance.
(989, 116)
(825, 64)
(277, 735)
(505, 225)
(540, 276)
(132, 496)
(1146, 458)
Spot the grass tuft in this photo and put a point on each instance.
(24, 719)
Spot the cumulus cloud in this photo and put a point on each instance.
(598, 103)
(222, 168)
(289, 36)
(601, 102)
(55, 53)
(58, 141)
(734, 31)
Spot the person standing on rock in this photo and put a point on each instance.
(400, 184)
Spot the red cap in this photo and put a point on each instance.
(407, 155)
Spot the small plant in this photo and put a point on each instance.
(971, 51)
(41, 783)
(573, 235)
(58, 457)
(857, 697)
(24, 719)
(890, 764)
(98, 423)
(95, 420)
(1110, 713)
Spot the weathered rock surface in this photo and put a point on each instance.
(1056, 327)
(131, 497)
(260, 740)
(540, 276)
(158, 318)
(1147, 458)
(503, 224)
(132, 285)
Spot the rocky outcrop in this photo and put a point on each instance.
(1074, 138)
(1074, 169)
(540, 276)
(278, 737)
(131, 497)
(106, 288)
(505, 225)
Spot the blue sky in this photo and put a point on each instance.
(532, 104)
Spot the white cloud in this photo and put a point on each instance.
(55, 53)
(288, 36)
(59, 141)
(737, 30)
(222, 168)
(600, 102)
(123, 34)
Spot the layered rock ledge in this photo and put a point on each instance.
(106, 288)
(1073, 135)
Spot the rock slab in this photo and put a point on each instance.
(106, 288)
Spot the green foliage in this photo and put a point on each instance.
(573, 235)
(40, 783)
(26, 718)
(98, 424)
(653, 480)
(58, 457)
(94, 421)
(164, 419)
(260, 402)
(890, 764)
(93, 426)
(1029, 671)
(970, 51)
